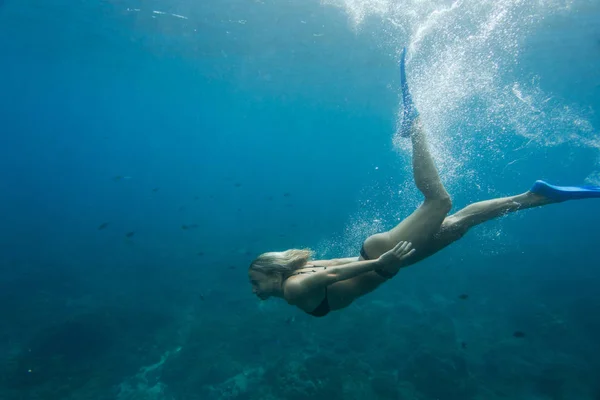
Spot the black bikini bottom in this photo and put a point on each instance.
(380, 272)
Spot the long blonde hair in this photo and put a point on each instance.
(282, 263)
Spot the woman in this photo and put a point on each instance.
(319, 286)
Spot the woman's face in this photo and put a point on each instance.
(262, 285)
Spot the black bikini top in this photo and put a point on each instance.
(323, 307)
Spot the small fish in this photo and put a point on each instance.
(102, 226)
(155, 189)
(200, 253)
(130, 234)
(519, 334)
(201, 296)
(286, 194)
(270, 198)
(191, 226)
(181, 208)
(290, 320)
(237, 184)
(196, 197)
(120, 178)
(231, 267)
(463, 296)
(463, 345)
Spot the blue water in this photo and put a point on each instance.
(150, 150)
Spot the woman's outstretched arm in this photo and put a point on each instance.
(390, 261)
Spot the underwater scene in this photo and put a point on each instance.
(286, 199)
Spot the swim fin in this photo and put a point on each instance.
(564, 193)
(409, 111)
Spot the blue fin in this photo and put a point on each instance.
(564, 193)
(409, 111)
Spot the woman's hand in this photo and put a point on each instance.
(392, 260)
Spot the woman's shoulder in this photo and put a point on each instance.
(293, 290)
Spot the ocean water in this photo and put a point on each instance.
(150, 150)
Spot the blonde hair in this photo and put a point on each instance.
(282, 263)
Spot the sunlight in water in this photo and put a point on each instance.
(460, 56)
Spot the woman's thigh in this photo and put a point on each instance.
(427, 236)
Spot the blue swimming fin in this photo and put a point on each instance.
(564, 193)
(409, 111)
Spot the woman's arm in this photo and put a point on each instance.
(334, 262)
(331, 274)
(390, 261)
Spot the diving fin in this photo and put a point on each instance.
(564, 193)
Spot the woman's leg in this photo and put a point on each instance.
(541, 194)
(425, 221)
(482, 211)
(455, 226)
(419, 227)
